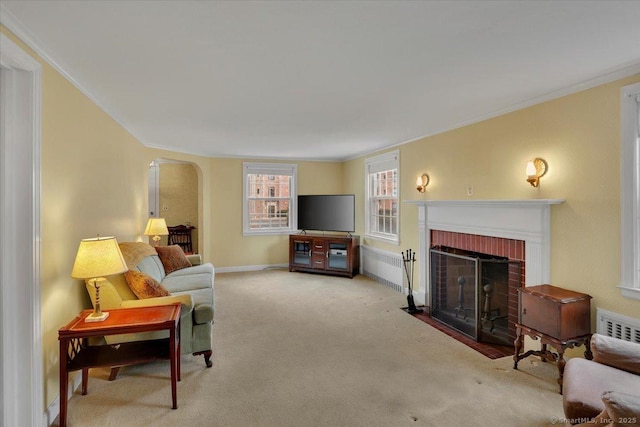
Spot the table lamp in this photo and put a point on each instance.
(156, 227)
(97, 258)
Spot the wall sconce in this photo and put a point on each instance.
(536, 168)
(422, 182)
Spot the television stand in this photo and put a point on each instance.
(325, 254)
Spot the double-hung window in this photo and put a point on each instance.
(630, 191)
(269, 198)
(383, 191)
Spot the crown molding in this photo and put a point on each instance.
(610, 76)
(627, 70)
(19, 29)
(14, 25)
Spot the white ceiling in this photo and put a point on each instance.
(323, 80)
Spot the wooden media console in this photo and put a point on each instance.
(325, 254)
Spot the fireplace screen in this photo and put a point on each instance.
(470, 293)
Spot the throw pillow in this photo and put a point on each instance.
(144, 286)
(172, 258)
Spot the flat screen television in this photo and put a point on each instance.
(327, 212)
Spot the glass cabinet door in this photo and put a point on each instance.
(302, 252)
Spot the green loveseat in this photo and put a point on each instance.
(191, 286)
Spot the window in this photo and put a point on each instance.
(382, 190)
(630, 191)
(269, 198)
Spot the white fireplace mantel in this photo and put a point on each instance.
(528, 220)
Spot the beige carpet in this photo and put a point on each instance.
(295, 349)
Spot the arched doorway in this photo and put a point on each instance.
(174, 195)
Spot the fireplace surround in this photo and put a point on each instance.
(527, 220)
(475, 293)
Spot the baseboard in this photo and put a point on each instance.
(52, 412)
(242, 268)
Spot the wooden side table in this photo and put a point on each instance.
(76, 354)
(544, 353)
(555, 316)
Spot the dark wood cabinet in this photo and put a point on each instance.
(326, 254)
(555, 316)
(557, 312)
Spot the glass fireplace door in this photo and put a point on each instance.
(453, 291)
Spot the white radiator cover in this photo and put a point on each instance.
(617, 325)
(383, 266)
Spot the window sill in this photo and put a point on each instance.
(629, 292)
(390, 240)
(268, 233)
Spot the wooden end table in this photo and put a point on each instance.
(76, 354)
(555, 316)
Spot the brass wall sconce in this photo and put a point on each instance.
(422, 182)
(536, 168)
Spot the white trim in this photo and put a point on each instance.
(15, 26)
(154, 189)
(392, 159)
(20, 147)
(390, 241)
(289, 169)
(629, 292)
(617, 74)
(527, 220)
(630, 192)
(53, 410)
(242, 268)
(625, 71)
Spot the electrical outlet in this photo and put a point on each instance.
(165, 208)
(469, 190)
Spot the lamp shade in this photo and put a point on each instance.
(156, 227)
(97, 258)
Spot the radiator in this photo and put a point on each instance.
(383, 267)
(618, 326)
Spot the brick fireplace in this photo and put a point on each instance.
(513, 229)
(496, 308)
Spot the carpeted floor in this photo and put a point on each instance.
(294, 349)
(492, 351)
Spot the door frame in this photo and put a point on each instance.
(21, 369)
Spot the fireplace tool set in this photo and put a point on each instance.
(408, 261)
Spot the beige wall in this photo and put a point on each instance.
(230, 247)
(579, 136)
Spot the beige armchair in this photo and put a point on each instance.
(606, 390)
